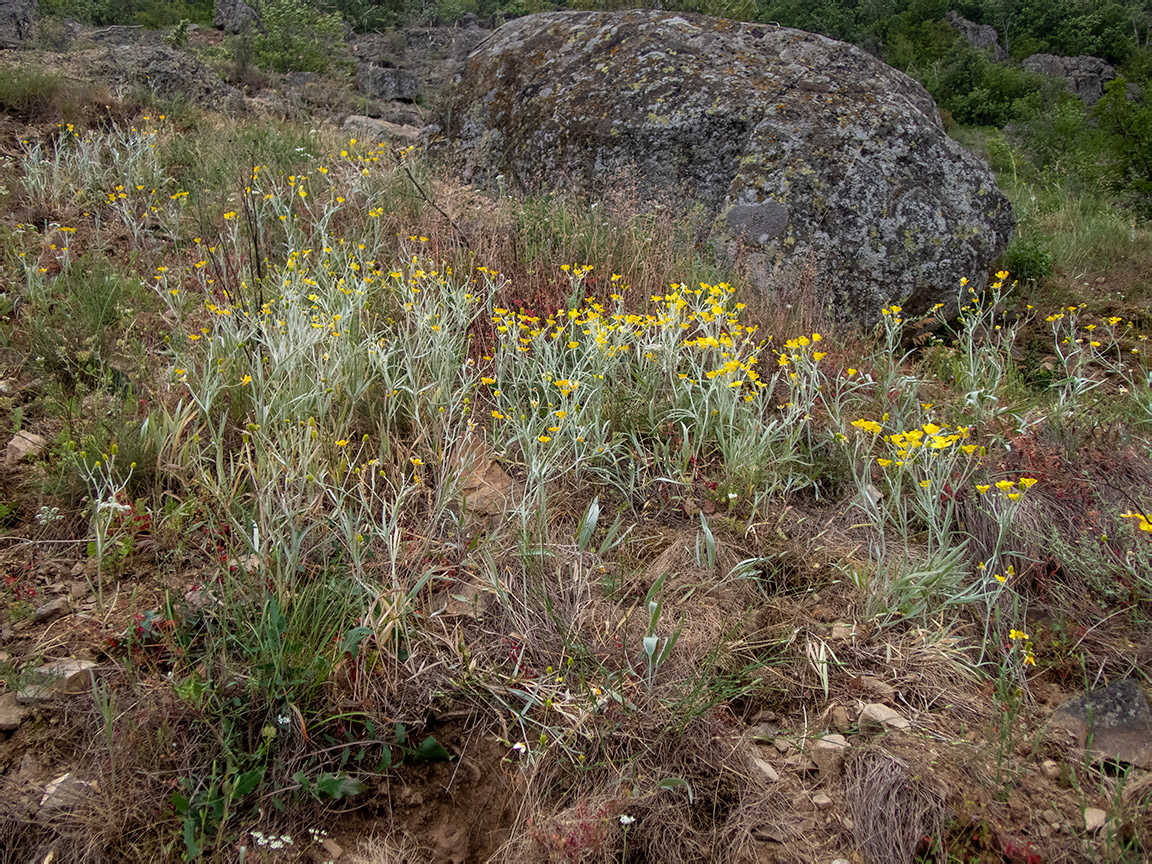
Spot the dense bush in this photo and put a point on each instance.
(297, 36)
(148, 13)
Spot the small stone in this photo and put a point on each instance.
(832, 742)
(763, 733)
(877, 688)
(770, 774)
(11, 713)
(784, 746)
(78, 590)
(331, 848)
(1094, 819)
(842, 632)
(24, 445)
(1051, 817)
(821, 801)
(841, 861)
(829, 761)
(51, 611)
(840, 719)
(800, 763)
(30, 694)
(877, 718)
(1050, 769)
(64, 793)
(67, 677)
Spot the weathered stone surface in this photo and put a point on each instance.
(11, 712)
(17, 18)
(376, 131)
(67, 677)
(52, 610)
(767, 771)
(840, 719)
(385, 82)
(1094, 819)
(167, 72)
(798, 146)
(982, 36)
(486, 487)
(876, 717)
(1084, 76)
(24, 445)
(1113, 721)
(64, 793)
(821, 801)
(235, 16)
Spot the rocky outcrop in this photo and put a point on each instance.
(431, 53)
(376, 131)
(168, 72)
(799, 147)
(982, 36)
(236, 16)
(389, 84)
(17, 18)
(1084, 76)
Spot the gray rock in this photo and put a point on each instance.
(832, 742)
(982, 36)
(11, 712)
(376, 131)
(1050, 769)
(68, 677)
(17, 20)
(821, 801)
(235, 16)
(64, 793)
(878, 718)
(1114, 722)
(167, 72)
(300, 79)
(53, 610)
(798, 147)
(1094, 819)
(384, 82)
(24, 445)
(1084, 76)
(30, 694)
(766, 770)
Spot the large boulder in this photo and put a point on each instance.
(982, 36)
(1084, 76)
(387, 83)
(17, 18)
(167, 72)
(800, 148)
(236, 16)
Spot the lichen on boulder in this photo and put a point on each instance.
(798, 146)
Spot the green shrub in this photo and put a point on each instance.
(1127, 145)
(1027, 258)
(153, 14)
(297, 37)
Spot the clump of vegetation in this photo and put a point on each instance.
(360, 500)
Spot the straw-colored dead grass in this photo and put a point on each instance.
(895, 813)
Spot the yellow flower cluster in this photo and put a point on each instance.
(1009, 487)
(1142, 521)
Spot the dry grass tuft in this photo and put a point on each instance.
(894, 811)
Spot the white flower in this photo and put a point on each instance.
(625, 819)
(520, 747)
